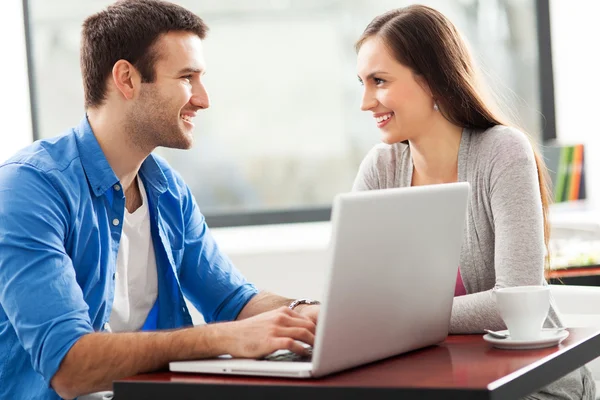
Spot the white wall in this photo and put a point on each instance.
(14, 101)
(575, 32)
(287, 259)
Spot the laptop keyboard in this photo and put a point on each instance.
(286, 355)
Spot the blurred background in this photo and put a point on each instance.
(284, 131)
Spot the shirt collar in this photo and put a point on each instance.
(97, 169)
(100, 174)
(152, 175)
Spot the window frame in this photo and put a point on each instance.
(316, 214)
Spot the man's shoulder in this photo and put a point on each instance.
(162, 163)
(170, 173)
(47, 155)
(41, 175)
(175, 182)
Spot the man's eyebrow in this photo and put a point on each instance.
(190, 70)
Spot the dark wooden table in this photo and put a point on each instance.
(590, 270)
(463, 367)
(583, 276)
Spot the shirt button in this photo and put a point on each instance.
(115, 222)
(117, 187)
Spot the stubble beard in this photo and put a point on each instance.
(152, 124)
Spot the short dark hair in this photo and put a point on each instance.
(128, 30)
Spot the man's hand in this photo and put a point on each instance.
(311, 311)
(98, 359)
(267, 332)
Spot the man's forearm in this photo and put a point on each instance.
(263, 302)
(97, 359)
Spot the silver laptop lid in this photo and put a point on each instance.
(394, 262)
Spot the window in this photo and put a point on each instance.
(284, 133)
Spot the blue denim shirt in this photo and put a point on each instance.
(61, 208)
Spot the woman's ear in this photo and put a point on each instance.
(425, 86)
(423, 83)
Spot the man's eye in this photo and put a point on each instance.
(187, 78)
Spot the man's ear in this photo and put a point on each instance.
(126, 79)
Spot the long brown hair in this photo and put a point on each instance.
(424, 40)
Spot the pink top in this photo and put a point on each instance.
(459, 289)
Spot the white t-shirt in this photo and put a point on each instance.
(136, 282)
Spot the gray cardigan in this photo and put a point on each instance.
(503, 242)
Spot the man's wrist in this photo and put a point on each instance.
(300, 308)
(218, 338)
(299, 304)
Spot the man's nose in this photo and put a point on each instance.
(200, 97)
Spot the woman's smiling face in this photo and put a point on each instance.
(400, 101)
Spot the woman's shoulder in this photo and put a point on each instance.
(502, 143)
(383, 155)
(381, 167)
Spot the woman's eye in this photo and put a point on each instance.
(378, 81)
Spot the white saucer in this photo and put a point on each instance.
(548, 338)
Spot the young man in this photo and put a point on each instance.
(99, 236)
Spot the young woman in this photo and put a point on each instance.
(421, 87)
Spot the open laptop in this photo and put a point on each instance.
(394, 257)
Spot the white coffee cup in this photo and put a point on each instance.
(524, 310)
